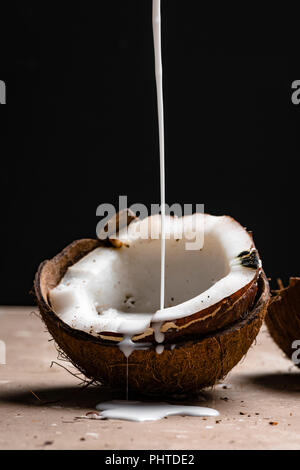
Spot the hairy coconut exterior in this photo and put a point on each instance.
(283, 318)
(193, 363)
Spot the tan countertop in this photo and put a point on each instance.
(39, 405)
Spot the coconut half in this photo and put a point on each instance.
(283, 318)
(96, 293)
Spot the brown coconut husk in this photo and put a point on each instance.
(283, 318)
(196, 361)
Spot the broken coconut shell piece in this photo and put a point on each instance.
(217, 298)
(283, 317)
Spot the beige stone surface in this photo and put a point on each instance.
(40, 405)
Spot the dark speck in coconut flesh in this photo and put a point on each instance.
(249, 259)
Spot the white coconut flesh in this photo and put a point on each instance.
(117, 290)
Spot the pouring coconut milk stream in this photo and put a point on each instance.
(76, 296)
(160, 109)
(134, 410)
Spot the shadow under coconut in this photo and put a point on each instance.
(281, 382)
(68, 396)
(88, 397)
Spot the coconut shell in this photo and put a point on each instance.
(192, 363)
(283, 318)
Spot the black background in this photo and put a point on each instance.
(80, 125)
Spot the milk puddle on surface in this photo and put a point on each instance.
(143, 411)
